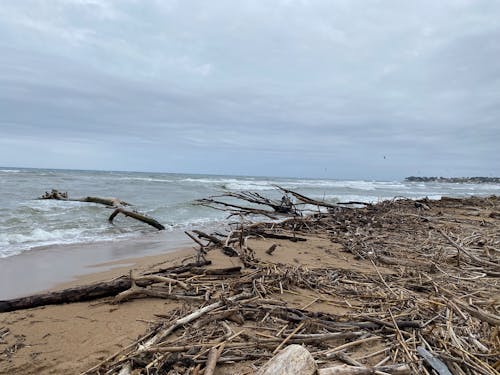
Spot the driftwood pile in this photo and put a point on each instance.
(435, 312)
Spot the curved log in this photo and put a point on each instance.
(109, 202)
(137, 216)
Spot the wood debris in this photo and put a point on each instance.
(422, 295)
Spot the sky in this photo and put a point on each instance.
(330, 89)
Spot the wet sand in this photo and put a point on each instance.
(45, 267)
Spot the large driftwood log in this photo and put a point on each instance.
(93, 291)
(109, 202)
(63, 196)
(76, 294)
(293, 360)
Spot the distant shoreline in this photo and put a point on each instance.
(470, 180)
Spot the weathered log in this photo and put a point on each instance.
(209, 237)
(293, 360)
(93, 291)
(137, 216)
(76, 294)
(111, 202)
(357, 370)
(277, 236)
(63, 196)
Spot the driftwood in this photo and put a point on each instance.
(109, 202)
(137, 216)
(293, 360)
(76, 294)
(63, 196)
(96, 290)
(359, 370)
(433, 361)
(275, 208)
(423, 299)
(212, 358)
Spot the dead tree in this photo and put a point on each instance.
(116, 203)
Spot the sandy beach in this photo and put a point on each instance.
(73, 338)
(67, 339)
(52, 265)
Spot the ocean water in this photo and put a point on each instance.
(27, 223)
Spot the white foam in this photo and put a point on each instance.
(146, 179)
(16, 243)
(255, 184)
(10, 170)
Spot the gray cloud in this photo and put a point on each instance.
(269, 88)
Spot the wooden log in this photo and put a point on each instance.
(137, 216)
(76, 294)
(277, 236)
(63, 196)
(402, 369)
(209, 237)
(111, 202)
(293, 360)
(92, 291)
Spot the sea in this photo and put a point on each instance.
(28, 224)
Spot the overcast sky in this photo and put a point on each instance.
(340, 89)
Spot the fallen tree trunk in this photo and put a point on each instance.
(91, 291)
(63, 196)
(76, 294)
(137, 216)
(109, 202)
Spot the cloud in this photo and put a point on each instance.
(275, 88)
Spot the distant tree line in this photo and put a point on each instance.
(472, 180)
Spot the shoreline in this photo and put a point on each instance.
(361, 268)
(50, 267)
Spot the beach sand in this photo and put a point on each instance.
(52, 265)
(71, 338)
(67, 339)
